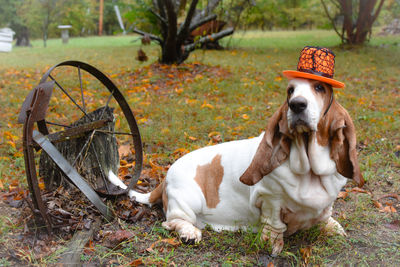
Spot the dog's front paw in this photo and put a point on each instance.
(332, 227)
(274, 238)
(188, 233)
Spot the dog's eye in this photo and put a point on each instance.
(290, 90)
(319, 88)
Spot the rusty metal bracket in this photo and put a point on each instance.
(33, 110)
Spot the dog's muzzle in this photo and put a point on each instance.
(298, 104)
(300, 120)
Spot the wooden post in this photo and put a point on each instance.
(101, 17)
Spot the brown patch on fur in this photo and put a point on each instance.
(273, 150)
(337, 130)
(209, 178)
(159, 194)
(165, 197)
(291, 219)
(156, 194)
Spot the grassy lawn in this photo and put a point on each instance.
(229, 94)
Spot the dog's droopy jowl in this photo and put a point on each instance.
(284, 180)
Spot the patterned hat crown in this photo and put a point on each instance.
(317, 60)
(315, 63)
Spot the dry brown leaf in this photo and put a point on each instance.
(136, 262)
(359, 190)
(115, 238)
(342, 194)
(377, 204)
(171, 241)
(124, 151)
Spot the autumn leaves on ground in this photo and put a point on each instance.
(216, 96)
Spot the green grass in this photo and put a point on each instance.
(233, 95)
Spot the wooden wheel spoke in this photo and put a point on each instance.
(70, 97)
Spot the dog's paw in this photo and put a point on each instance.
(332, 227)
(188, 233)
(274, 238)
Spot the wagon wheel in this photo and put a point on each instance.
(79, 91)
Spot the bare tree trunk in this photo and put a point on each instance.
(357, 24)
(175, 41)
(22, 37)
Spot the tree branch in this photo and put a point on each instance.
(209, 38)
(332, 20)
(200, 22)
(377, 11)
(152, 36)
(211, 5)
(158, 16)
(161, 11)
(184, 28)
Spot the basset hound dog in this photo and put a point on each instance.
(284, 180)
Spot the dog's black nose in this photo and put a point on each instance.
(298, 104)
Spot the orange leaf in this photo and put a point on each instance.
(342, 194)
(377, 204)
(206, 105)
(171, 241)
(136, 262)
(359, 190)
(388, 209)
(124, 151)
(1, 185)
(213, 134)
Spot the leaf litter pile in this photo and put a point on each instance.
(71, 211)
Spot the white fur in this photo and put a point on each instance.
(303, 88)
(115, 180)
(306, 186)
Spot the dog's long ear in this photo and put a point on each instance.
(273, 149)
(341, 131)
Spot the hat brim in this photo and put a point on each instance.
(291, 74)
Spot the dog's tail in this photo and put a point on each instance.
(150, 198)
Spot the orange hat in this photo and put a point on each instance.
(315, 63)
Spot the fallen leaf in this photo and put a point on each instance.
(305, 254)
(115, 238)
(207, 105)
(170, 241)
(124, 151)
(359, 190)
(136, 262)
(377, 204)
(388, 209)
(342, 194)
